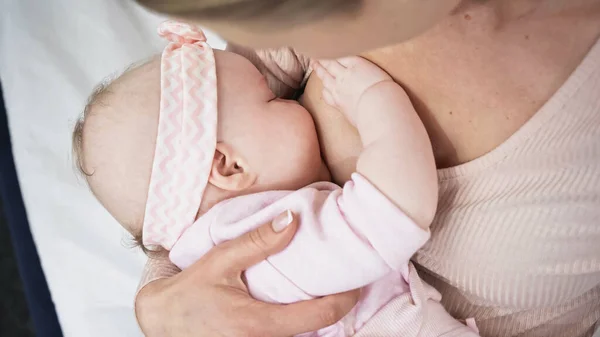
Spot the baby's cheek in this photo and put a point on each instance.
(311, 166)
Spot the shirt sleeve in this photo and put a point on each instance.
(157, 268)
(346, 240)
(416, 313)
(394, 235)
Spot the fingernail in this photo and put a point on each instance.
(282, 221)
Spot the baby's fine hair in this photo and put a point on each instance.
(281, 12)
(95, 98)
(99, 97)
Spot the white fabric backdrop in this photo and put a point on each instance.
(52, 53)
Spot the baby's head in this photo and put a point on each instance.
(262, 142)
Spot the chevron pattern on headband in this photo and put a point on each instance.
(187, 134)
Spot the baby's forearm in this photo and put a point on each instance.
(397, 156)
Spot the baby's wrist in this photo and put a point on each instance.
(373, 90)
(378, 111)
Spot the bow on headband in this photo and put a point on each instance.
(187, 134)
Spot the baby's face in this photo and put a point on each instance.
(275, 137)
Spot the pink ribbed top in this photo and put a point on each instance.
(516, 241)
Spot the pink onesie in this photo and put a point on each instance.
(348, 238)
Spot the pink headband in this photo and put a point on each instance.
(187, 134)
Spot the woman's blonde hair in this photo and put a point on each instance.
(269, 11)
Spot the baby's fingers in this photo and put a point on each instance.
(350, 61)
(335, 68)
(328, 97)
(326, 77)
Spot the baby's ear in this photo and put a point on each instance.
(229, 170)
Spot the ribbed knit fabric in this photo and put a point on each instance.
(156, 268)
(516, 241)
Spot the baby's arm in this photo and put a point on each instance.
(397, 157)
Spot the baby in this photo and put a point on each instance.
(192, 149)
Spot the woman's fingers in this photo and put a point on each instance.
(239, 254)
(295, 318)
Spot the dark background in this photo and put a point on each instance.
(14, 315)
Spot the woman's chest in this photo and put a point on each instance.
(475, 85)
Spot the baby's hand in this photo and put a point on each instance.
(346, 80)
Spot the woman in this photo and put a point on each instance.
(509, 91)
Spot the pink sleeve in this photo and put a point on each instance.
(347, 239)
(392, 233)
(416, 313)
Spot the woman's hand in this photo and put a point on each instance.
(211, 299)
